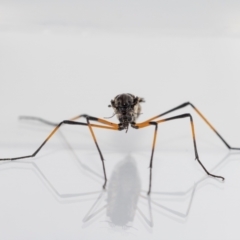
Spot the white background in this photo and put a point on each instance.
(61, 59)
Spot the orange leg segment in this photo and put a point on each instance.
(200, 114)
(187, 115)
(107, 125)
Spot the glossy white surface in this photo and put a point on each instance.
(74, 59)
(58, 194)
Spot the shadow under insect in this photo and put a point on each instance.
(123, 192)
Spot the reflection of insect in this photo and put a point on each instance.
(127, 108)
(122, 196)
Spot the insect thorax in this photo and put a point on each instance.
(127, 107)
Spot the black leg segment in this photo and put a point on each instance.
(201, 115)
(71, 122)
(186, 115)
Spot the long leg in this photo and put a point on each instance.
(200, 114)
(112, 127)
(39, 120)
(145, 124)
(71, 119)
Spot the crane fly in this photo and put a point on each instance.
(127, 108)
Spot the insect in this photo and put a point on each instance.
(127, 108)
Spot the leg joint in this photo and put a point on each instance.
(178, 116)
(154, 123)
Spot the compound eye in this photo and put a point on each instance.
(119, 108)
